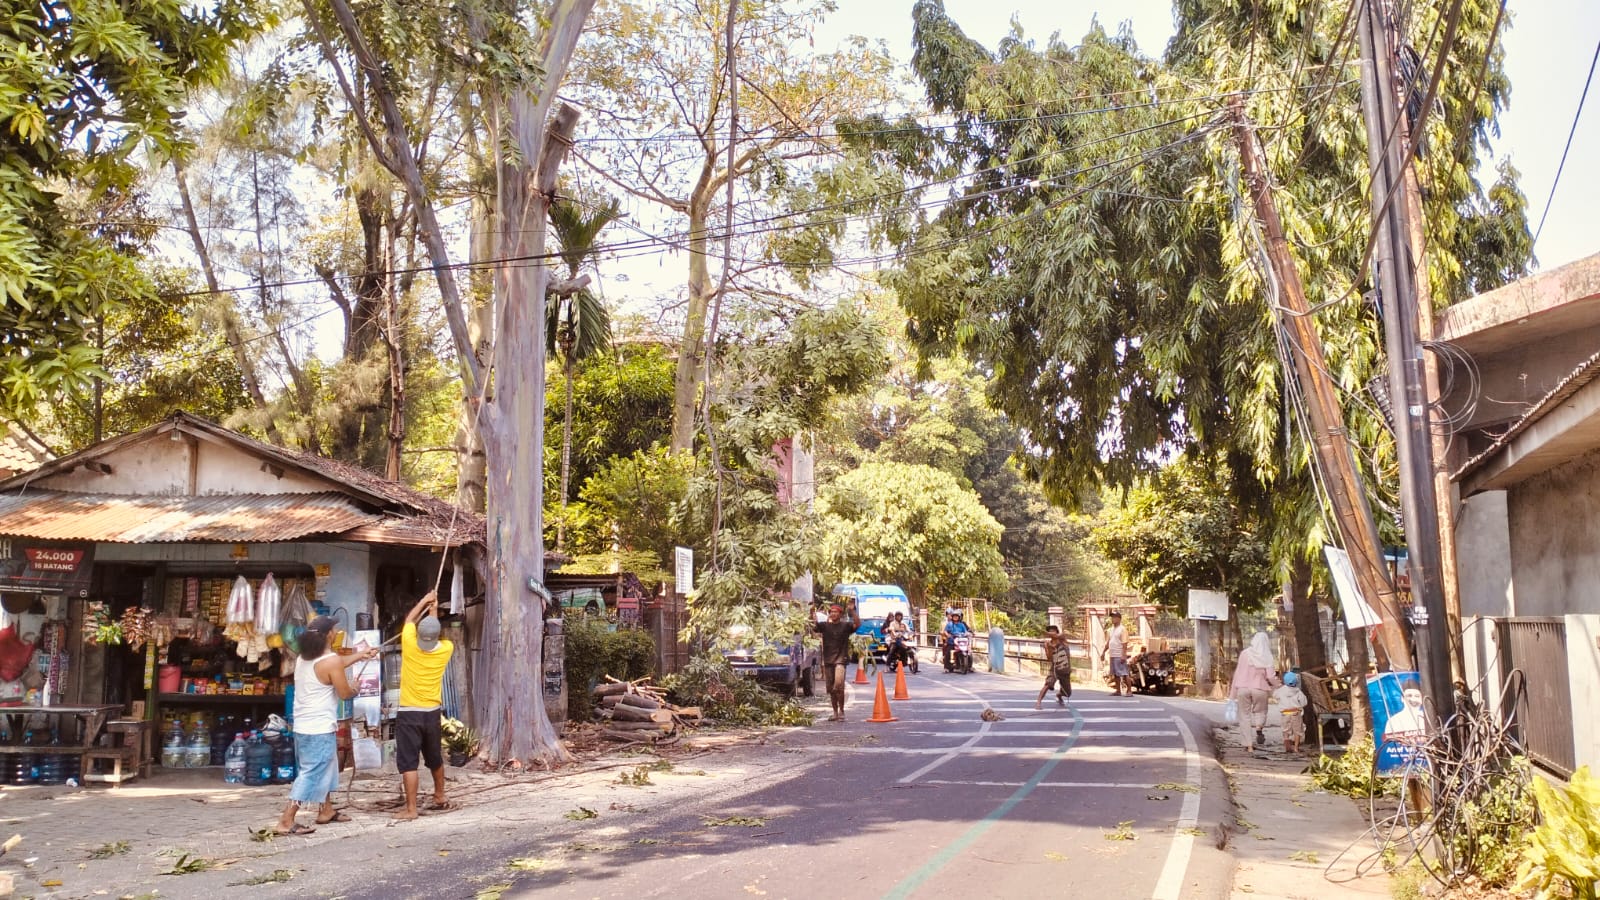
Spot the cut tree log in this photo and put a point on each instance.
(626, 713)
(640, 701)
(605, 690)
(639, 726)
(634, 737)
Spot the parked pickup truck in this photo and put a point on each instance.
(785, 669)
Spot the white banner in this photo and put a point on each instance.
(1357, 612)
(1209, 605)
(683, 557)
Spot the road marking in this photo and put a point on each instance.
(1140, 785)
(1170, 884)
(952, 752)
(1034, 720)
(986, 733)
(916, 879)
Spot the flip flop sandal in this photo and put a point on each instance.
(446, 806)
(297, 829)
(338, 816)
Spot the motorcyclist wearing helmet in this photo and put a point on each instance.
(952, 628)
(897, 634)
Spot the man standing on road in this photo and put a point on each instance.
(836, 653)
(423, 658)
(1117, 648)
(1058, 668)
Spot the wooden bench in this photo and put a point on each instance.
(129, 756)
(1329, 696)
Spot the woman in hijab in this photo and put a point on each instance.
(1253, 681)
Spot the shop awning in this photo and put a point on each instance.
(144, 519)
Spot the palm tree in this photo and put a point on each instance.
(577, 324)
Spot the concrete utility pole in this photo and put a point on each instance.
(1330, 443)
(1396, 275)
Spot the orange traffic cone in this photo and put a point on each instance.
(880, 705)
(900, 692)
(861, 671)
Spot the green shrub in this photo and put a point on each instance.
(593, 651)
(1491, 826)
(728, 698)
(1562, 855)
(1352, 773)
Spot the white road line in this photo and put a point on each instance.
(1031, 720)
(1141, 786)
(955, 751)
(1170, 885)
(1086, 733)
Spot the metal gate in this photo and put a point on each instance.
(1538, 647)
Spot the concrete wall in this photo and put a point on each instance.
(163, 466)
(1483, 556)
(1554, 524)
(1583, 669)
(1515, 378)
(350, 566)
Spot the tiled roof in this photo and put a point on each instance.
(145, 519)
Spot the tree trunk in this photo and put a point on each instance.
(232, 333)
(514, 724)
(691, 360)
(1360, 659)
(1309, 650)
(566, 449)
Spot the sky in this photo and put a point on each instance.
(1548, 50)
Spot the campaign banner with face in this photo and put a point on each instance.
(1399, 719)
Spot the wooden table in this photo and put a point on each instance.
(89, 721)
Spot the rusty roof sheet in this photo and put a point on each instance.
(233, 518)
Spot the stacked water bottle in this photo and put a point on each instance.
(255, 761)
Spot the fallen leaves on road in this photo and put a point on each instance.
(1055, 857)
(581, 813)
(276, 876)
(529, 864)
(106, 851)
(493, 891)
(739, 821)
(1179, 786)
(1124, 832)
(1307, 856)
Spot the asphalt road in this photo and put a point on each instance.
(1113, 797)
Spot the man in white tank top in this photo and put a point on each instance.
(319, 685)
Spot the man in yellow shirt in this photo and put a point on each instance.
(423, 658)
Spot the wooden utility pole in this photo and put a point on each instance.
(1330, 443)
(1397, 284)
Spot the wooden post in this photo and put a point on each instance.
(1331, 443)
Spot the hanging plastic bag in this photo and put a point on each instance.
(1230, 711)
(293, 617)
(267, 603)
(367, 754)
(241, 603)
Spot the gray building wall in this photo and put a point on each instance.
(1483, 556)
(1554, 524)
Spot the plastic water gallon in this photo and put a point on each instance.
(258, 767)
(283, 761)
(174, 752)
(233, 762)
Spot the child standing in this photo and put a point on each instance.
(1291, 704)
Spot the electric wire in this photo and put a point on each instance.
(1556, 182)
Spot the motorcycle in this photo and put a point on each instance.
(960, 654)
(1155, 671)
(902, 651)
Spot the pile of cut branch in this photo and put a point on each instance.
(637, 711)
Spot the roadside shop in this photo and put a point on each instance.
(155, 585)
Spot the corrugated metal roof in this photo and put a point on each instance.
(114, 518)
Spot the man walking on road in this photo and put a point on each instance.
(836, 653)
(1117, 648)
(423, 658)
(1058, 668)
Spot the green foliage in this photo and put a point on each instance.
(594, 651)
(1493, 825)
(622, 404)
(1562, 855)
(640, 502)
(1352, 773)
(914, 526)
(457, 737)
(1182, 528)
(726, 697)
(84, 87)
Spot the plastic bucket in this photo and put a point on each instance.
(168, 679)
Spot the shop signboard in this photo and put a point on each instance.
(45, 567)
